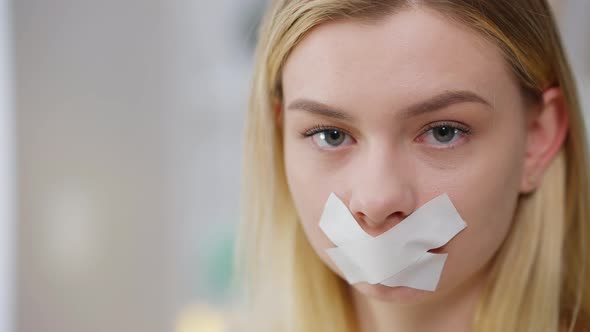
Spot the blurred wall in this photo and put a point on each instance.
(129, 129)
(575, 28)
(7, 183)
(95, 234)
(212, 57)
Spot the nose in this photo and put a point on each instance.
(383, 194)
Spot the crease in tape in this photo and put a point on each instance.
(399, 256)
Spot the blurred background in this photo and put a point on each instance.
(120, 147)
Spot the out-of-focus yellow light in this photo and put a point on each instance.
(200, 318)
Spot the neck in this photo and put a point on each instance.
(451, 311)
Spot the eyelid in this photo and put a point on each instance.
(465, 133)
(464, 128)
(320, 128)
(454, 124)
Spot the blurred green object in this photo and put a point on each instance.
(219, 264)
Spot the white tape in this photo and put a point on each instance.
(398, 257)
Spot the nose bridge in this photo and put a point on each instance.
(383, 192)
(383, 162)
(385, 169)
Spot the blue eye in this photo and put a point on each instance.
(328, 138)
(331, 137)
(444, 134)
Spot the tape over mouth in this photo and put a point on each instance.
(398, 257)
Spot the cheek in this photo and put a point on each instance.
(309, 186)
(486, 195)
(474, 248)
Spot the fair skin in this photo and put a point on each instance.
(408, 108)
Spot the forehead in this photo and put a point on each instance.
(411, 54)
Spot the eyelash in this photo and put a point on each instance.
(463, 130)
(460, 129)
(456, 125)
(320, 128)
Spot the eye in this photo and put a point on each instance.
(328, 138)
(444, 134)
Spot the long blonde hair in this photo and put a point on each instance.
(539, 274)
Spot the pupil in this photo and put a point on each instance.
(335, 135)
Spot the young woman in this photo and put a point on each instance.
(388, 104)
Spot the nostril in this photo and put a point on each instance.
(375, 227)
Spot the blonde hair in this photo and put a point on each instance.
(538, 280)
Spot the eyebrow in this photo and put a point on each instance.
(444, 100)
(318, 108)
(431, 104)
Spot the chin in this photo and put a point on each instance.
(398, 295)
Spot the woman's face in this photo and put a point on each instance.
(392, 114)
